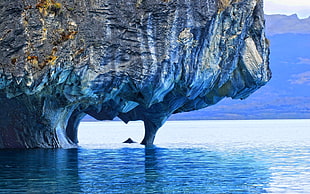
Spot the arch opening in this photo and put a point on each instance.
(108, 133)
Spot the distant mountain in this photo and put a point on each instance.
(283, 24)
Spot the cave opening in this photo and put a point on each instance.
(93, 133)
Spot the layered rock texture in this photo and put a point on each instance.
(132, 59)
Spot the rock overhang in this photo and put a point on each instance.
(136, 60)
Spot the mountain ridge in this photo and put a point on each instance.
(285, 24)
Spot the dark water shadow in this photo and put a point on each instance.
(39, 171)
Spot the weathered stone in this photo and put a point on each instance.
(136, 60)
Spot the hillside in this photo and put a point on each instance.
(282, 24)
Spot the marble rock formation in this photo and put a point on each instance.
(132, 59)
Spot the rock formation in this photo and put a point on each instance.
(132, 59)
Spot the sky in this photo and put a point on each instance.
(288, 7)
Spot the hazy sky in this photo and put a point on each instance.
(288, 7)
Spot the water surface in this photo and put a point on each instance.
(269, 156)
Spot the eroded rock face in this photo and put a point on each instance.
(132, 59)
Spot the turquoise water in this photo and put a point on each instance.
(270, 156)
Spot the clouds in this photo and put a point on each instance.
(302, 78)
(288, 7)
(304, 61)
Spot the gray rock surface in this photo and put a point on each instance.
(132, 59)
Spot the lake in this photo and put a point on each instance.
(223, 156)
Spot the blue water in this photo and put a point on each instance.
(270, 156)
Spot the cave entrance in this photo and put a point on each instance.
(109, 133)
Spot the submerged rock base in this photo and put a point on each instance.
(136, 60)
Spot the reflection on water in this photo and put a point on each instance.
(226, 157)
(39, 171)
(198, 170)
(130, 170)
